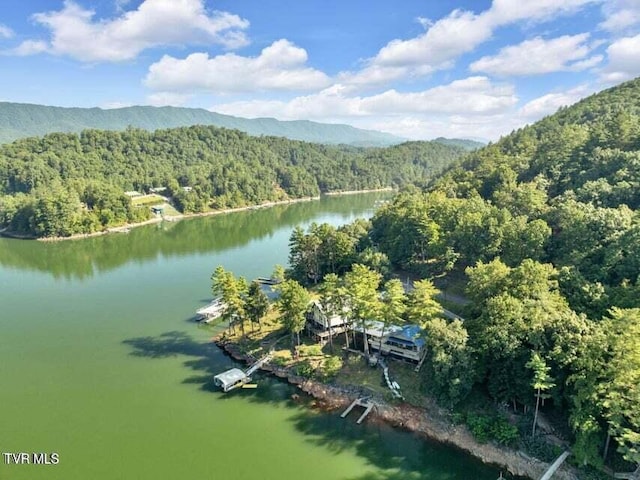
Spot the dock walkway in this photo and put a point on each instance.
(360, 402)
(629, 476)
(234, 378)
(555, 465)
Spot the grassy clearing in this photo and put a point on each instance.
(151, 199)
(410, 382)
(169, 210)
(356, 372)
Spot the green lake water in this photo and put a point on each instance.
(101, 363)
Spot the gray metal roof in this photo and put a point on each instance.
(229, 377)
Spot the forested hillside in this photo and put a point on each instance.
(63, 184)
(19, 120)
(460, 142)
(544, 226)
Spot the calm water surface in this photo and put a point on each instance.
(100, 362)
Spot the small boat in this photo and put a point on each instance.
(212, 311)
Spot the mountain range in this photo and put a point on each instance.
(20, 120)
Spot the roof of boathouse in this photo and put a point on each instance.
(230, 377)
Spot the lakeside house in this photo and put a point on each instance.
(320, 325)
(404, 343)
(400, 342)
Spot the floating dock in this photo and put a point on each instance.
(360, 402)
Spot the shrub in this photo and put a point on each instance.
(310, 350)
(541, 449)
(305, 369)
(503, 432)
(480, 426)
(330, 367)
(496, 428)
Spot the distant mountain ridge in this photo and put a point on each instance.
(465, 143)
(21, 120)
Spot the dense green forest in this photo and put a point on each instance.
(543, 229)
(20, 120)
(63, 184)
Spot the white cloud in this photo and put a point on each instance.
(620, 15)
(491, 126)
(623, 60)
(447, 39)
(503, 12)
(472, 96)
(373, 76)
(471, 107)
(164, 99)
(587, 63)
(116, 104)
(280, 66)
(538, 56)
(5, 32)
(423, 128)
(551, 102)
(30, 47)
(74, 31)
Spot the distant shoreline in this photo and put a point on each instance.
(174, 218)
(355, 192)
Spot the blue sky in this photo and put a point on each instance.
(419, 69)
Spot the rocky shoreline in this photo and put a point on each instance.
(413, 419)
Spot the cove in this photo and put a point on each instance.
(101, 363)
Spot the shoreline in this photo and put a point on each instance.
(169, 218)
(410, 418)
(174, 218)
(337, 193)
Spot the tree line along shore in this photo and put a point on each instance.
(66, 184)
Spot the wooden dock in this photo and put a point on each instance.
(360, 402)
(555, 465)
